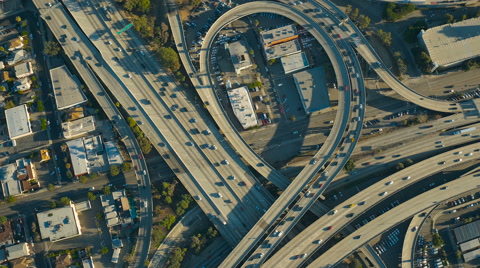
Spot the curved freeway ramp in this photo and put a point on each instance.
(350, 32)
(363, 201)
(392, 218)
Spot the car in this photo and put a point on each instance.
(406, 178)
(242, 183)
(442, 163)
(213, 147)
(231, 177)
(295, 133)
(140, 156)
(278, 233)
(469, 154)
(189, 143)
(333, 212)
(174, 95)
(351, 205)
(350, 215)
(457, 153)
(313, 161)
(383, 194)
(318, 241)
(458, 160)
(197, 197)
(330, 227)
(219, 195)
(225, 162)
(389, 183)
(91, 188)
(193, 120)
(303, 255)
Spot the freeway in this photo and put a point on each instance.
(305, 177)
(215, 110)
(216, 169)
(352, 34)
(304, 243)
(409, 241)
(393, 217)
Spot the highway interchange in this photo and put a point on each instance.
(200, 168)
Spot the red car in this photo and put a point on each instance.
(346, 88)
(242, 183)
(330, 228)
(140, 156)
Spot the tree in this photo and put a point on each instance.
(53, 204)
(3, 89)
(126, 166)
(169, 221)
(40, 106)
(437, 240)
(211, 232)
(464, 17)
(51, 48)
(3, 219)
(458, 253)
(18, 19)
(144, 5)
(354, 14)
(363, 21)
(348, 10)
(349, 166)
(195, 241)
(145, 145)
(69, 174)
(104, 250)
(271, 61)
(67, 165)
(131, 122)
(9, 104)
(449, 18)
(293, 118)
(83, 179)
(385, 37)
(256, 22)
(10, 199)
(162, 35)
(168, 199)
(94, 176)
(114, 170)
(91, 196)
(51, 187)
(399, 166)
(176, 257)
(65, 201)
(106, 190)
(169, 59)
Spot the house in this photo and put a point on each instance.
(24, 262)
(22, 85)
(63, 261)
(18, 177)
(17, 251)
(14, 44)
(23, 69)
(6, 234)
(17, 56)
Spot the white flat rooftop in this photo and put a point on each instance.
(66, 88)
(114, 156)
(243, 107)
(60, 223)
(78, 157)
(282, 49)
(78, 127)
(295, 62)
(239, 55)
(18, 121)
(453, 43)
(278, 35)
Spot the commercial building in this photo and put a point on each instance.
(113, 154)
(78, 157)
(66, 88)
(88, 263)
(17, 251)
(18, 177)
(59, 223)
(116, 208)
(312, 89)
(239, 55)
(18, 122)
(282, 49)
(467, 232)
(295, 62)
(78, 127)
(450, 45)
(23, 69)
(278, 35)
(242, 106)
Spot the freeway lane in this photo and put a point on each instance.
(393, 217)
(349, 31)
(364, 200)
(325, 152)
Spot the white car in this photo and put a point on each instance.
(458, 160)
(384, 193)
(457, 153)
(407, 178)
(389, 183)
(318, 241)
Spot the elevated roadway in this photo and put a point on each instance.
(350, 33)
(409, 241)
(350, 209)
(392, 218)
(214, 170)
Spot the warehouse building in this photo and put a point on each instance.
(312, 88)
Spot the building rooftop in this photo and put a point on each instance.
(17, 251)
(453, 43)
(283, 49)
(469, 245)
(82, 206)
(294, 62)
(467, 232)
(239, 55)
(59, 223)
(243, 107)
(78, 127)
(18, 56)
(6, 234)
(472, 255)
(279, 35)
(8, 177)
(87, 263)
(312, 88)
(45, 154)
(18, 122)
(78, 157)
(113, 154)
(23, 69)
(96, 156)
(63, 261)
(66, 88)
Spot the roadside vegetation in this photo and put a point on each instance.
(394, 12)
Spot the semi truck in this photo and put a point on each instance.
(464, 130)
